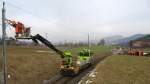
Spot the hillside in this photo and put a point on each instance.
(122, 40)
(120, 70)
(145, 38)
(133, 37)
(33, 65)
(27, 65)
(113, 39)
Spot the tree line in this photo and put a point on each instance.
(12, 41)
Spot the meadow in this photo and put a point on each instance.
(33, 65)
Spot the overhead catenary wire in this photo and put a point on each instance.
(37, 16)
(68, 29)
(26, 11)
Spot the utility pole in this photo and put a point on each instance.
(4, 81)
(88, 40)
(89, 44)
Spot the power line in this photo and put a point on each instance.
(26, 11)
(32, 14)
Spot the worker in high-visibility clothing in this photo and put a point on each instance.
(19, 27)
(68, 57)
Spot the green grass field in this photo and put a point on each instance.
(28, 66)
(123, 70)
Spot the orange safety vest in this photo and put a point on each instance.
(19, 27)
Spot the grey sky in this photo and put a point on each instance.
(72, 20)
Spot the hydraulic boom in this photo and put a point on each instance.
(47, 43)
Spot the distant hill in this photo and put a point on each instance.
(128, 39)
(122, 40)
(113, 39)
(144, 38)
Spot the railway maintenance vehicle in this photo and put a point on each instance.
(67, 65)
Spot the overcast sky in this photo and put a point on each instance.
(72, 20)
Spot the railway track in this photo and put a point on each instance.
(59, 79)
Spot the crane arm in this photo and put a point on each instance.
(47, 43)
(12, 23)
